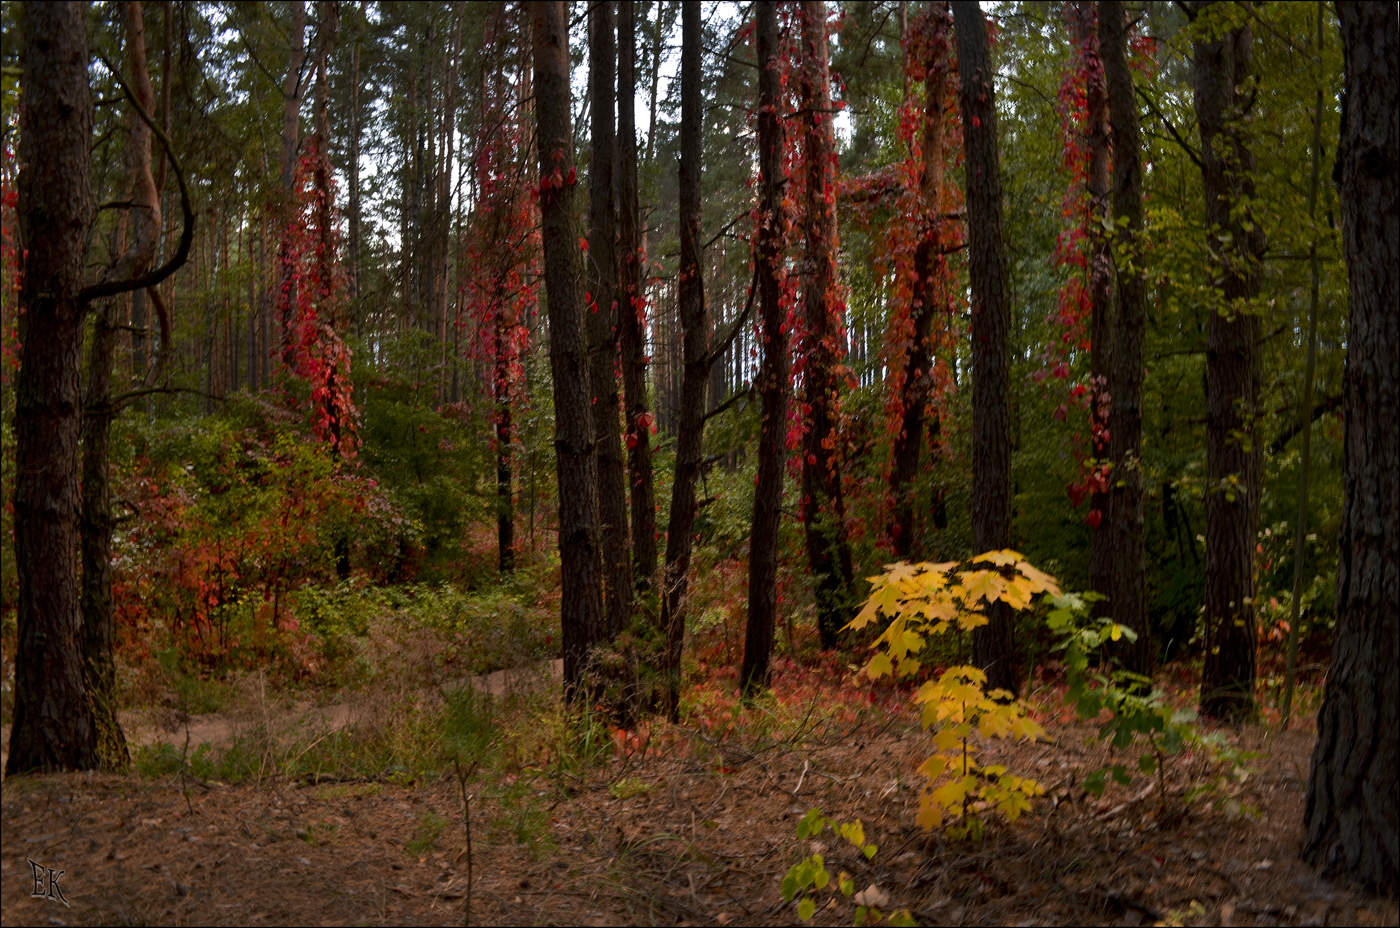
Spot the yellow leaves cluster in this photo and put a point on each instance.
(955, 706)
(923, 600)
(930, 599)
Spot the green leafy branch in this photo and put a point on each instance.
(809, 875)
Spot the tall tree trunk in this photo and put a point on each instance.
(505, 503)
(601, 262)
(1221, 75)
(442, 209)
(1352, 821)
(144, 222)
(658, 38)
(581, 606)
(695, 326)
(1083, 16)
(1127, 584)
(773, 369)
(929, 298)
(99, 626)
(823, 507)
(53, 721)
(1305, 400)
(993, 645)
(291, 137)
(354, 165)
(631, 307)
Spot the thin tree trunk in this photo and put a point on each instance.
(354, 167)
(657, 44)
(1305, 402)
(291, 131)
(695, 325)
(53, 721)
(99, 627)
(929, 298)
(144, 223)
(823, 506)
(993, 645)
(601, 263)
(581, 616)
(1083, 19)
(773, 371)
(1127, 588)
(1352, 820)
(442, 215)
(1221, 71)
(631, 307)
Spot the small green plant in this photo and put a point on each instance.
(1127, 709)
(928, 600)
(317, 834)
(809, 875)
(425, 836)
(523, 817)
(627, 787)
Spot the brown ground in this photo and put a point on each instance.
(699, 834)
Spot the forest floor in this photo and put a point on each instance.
(691, 824)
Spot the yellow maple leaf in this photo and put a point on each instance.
(986, 585)
(879, 666)
(1003, 558)
(951, 794)
(930, 815)
(1041, 581)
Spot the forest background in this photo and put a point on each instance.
(338, 428)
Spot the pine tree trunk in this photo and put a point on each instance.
(601, 264)
(929, 298)
(695, 325)
(1083, 18)
(993, 645)
(354, 168)
(773, 368)
(823, 506)
(1127, 585)
(631, 309)
(99, 626)
(53, 722)
(1352, 821)
(581, 606)
(291, 132)
(1221, 72)
(144, 223)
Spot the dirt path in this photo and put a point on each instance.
(298, 719)
(702, 835)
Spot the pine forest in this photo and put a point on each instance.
(755, 462)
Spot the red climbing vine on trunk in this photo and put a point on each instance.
(311, 304)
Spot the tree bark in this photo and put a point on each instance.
(695, 325)
(1083, 18)
(1127, 583)
(1221, 76)
(631, 307)
(929, 297)
(1305, 400)
(291, 138)
(1352, 820)
(144, 222)
(53, 721)
(581, 609)
(353, 171)
(823, 505)
(773, 368)
(601, 263)
(993, 645)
